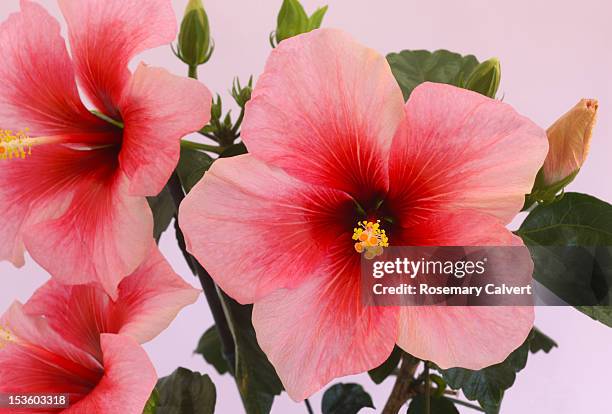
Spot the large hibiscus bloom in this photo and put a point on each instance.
(77, 202)
(76, 340)
(332, 145)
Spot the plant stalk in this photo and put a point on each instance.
(208, 285)
(308, 406)
(193, 71)
(403, 385)
(427, 390)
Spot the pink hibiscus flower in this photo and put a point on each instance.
(332, 144)
(76, 340)
(77, 203)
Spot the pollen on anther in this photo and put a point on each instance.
(5, 336)
(14, 145)
(370, 239)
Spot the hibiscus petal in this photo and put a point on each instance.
(36, 359)
(148, 301)
(256, 229)
(158, 111)
(151, 297)
(325, 110)
(38, 89)
(103, 237)
(320, 331)
(106, 34)
(460, 149)
(40, 188)
(468, 337)
(129, 378)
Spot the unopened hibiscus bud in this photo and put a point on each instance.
(292, 20)
(569, 139)
(217, 108)
(485, 78)
(194, 44)
(242, 94)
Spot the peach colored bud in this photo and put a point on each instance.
(569, 139)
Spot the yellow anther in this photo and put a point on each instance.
(5, 337)
(15, 144)
(370, 239)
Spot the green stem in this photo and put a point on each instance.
(238, 122)
(427, 389)
(193, 71)
(108, 119)
(203, 147)
(175, 187)
(404, 382)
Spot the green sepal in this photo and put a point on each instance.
(485, 78)
(292, 20)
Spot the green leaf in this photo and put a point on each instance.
(192, 166)
(257, 380)
(381, 372)
(211, 349)
(602, 314)
(488, 385)
(292, 20)
(345, 399)
(541, 342)
(236, 149)
(186, 392)
(438, 405)
(163, 209)
(578, 276)
(413, 67)
(576, 220)
(316, 19)
(152, 403)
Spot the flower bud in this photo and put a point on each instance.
(242, 94)
(292, 20)
(216, 109)
(194, 43)
(568, 146)
(485, 78)
(569, 139)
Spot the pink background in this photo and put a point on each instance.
(553, 53)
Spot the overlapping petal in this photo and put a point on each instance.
(158, 110)
(457, 149)
(325, 110)
(103, 236)
(76, 340)
(106, 34)
(470, 337)
(35, 192)
(320, 330)
(257, 229)
(129, 377)
(148, 300)
(38, 87)
(37, 359)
